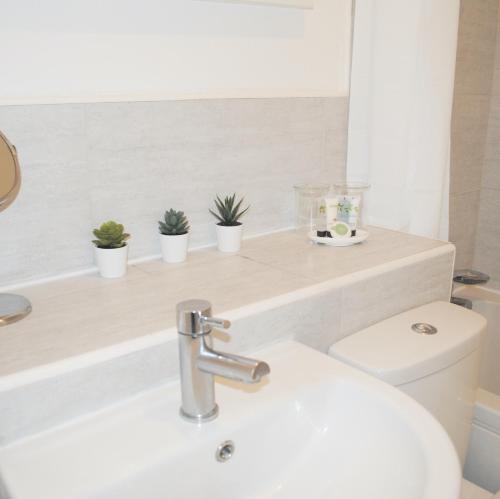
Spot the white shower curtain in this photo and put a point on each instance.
(400, 111)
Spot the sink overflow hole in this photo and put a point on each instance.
(225, 451)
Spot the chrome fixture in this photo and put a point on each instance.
(461, 302)
(468, 276)
(225, 451)
(199, 363)
(424, 328)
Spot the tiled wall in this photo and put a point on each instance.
(86, 163)
(316, 321)
(473, 93)
(487, 249)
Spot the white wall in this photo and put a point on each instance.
(85, 51)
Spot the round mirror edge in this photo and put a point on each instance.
(9, 198)
(13, 308)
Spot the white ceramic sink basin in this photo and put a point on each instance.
(315, 429)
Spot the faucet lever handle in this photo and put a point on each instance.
(194, 318)
(215, 322)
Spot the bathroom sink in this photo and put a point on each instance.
(315, 428)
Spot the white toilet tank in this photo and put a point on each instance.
(431, 353)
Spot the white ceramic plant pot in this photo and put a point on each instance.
(229, 238)
(174, 248)
(112, 263)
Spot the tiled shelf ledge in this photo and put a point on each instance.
(83, 314)
(90, 341)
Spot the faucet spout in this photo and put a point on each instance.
(232, 366)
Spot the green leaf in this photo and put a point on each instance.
(174, 223)
(228, 210)
(110, 235)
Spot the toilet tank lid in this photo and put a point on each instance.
(391, 350)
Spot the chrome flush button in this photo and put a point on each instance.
(424, 328)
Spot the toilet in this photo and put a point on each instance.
(432, 353)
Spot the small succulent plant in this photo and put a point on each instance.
(110, 235)
(229, 211)
(174, 223)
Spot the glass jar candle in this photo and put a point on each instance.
(308, 200)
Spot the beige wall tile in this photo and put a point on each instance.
(496, 73)
(469, 131)
(476, 46)
(491, 164)
(84, 164)
(47, 227)
(298, 256)
(371, 300)
(476, 129)
(487, 242)
(492, 150)
(491, 174)
(487, 249)
(463, 224)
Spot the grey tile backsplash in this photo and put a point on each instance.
(86, 163)
(474, 140)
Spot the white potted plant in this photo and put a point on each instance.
(111, 249)
(174, 234)
(229, 228)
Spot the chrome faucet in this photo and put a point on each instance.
(199, 363)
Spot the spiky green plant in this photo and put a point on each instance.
(228, 211)
(174, 223)
(110, 235)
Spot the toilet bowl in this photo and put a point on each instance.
(432, 353)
